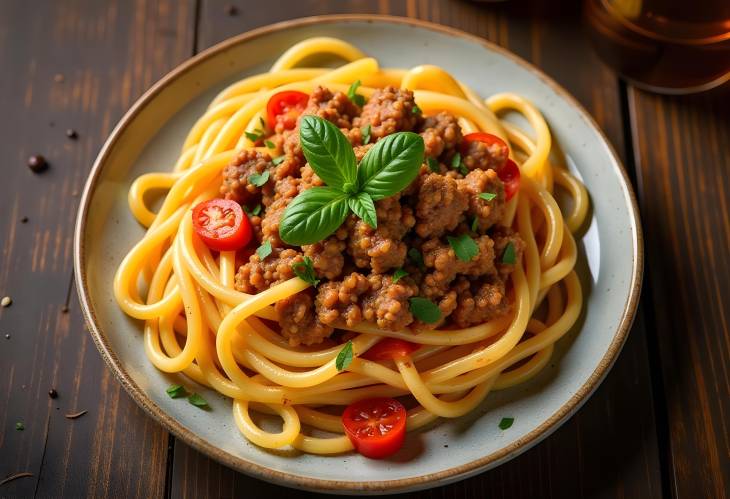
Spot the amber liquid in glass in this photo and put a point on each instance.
(669, 46)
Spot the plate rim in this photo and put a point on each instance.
(251, 468)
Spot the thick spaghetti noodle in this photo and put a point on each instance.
(199, 324)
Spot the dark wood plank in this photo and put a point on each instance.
(609, 448)
(108, 53)
(682, 149)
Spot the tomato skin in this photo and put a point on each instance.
(488, 139)
(364, 421)
(285, 107)
(390, 348)
(509, 174)
(221, 224)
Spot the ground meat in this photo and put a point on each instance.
(257, 275)
(298, 321)
(328, 256)
(235, 184)
(502, 237)
(440, 257)
(389, 110)
(446, 304)
(479, 302)
(479, 155)
(380, 249)
(441, 205)
(334, 107)
(360, 151)
(309, 178)
(486, 212)
(441, 133)
(270, 221)
(375, 299)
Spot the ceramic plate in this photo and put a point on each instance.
(149, 138)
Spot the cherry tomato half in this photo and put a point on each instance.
(389, 348)
(509, 174)
(376, 427)
(285, 107)
(497, 147)
(221, 224)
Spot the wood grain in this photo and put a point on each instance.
(106, 54)
(683, 164)
(609, 448)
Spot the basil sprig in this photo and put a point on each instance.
(386, 169)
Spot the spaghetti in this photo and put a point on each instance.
(198, 323)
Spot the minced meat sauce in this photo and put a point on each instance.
(356, 263)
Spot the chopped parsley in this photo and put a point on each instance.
(344, 358)
(354, 96)
(474, 224)
(198, 401)
(264, 250)
(464, 247)
(19, 426)
(433, 164)
(506, 423)
(258, 179)
(253, 137)
(270, 144)
(176, 391)
(510, 255)
(398, 275)
(256, 210)
(425, 310)
(278, 159)
(263, 123)
(305, 271)
(415, 256)
(487, 196)
(416, 110)
(365, 132)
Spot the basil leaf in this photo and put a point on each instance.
(365, 132)
(344, 358)
(198, 401)
(259, 179)
(425, 310)
(328, 152)
(313, 215)
(487, 196)
(277, 160)
(433, 164)
(264, 250)
(398, 275)
(506, 423)
(391, 165)
(304, 270)
(464, 247)
(176, 391)
(362, 205)
(415, 256)
(510, 254)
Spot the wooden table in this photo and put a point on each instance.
(657, 426)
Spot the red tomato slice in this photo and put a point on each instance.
(285, 107)
(221, 224)
(490, 140)
(389, 348)
(509, 174)
(376, 427)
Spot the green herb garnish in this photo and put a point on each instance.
(365, 132)
(253, 137)
(416, 257)
(433, 164)
(278, 159)
(256, 210)
(259, 179)
(344, 358)
(19, 426)
(458, 164)
(416, 110)
(398, 275)
(510, 254)
(198, 401)
(506, 423)
(270, 144)
(354, 96)
(264, 250)
(263, 123)
(464, 247)
(387, 168)
(487, 196)
(176, 391)
(305, 270)
(474, 224)
(425, 310)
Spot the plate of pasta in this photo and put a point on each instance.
(342, 267)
